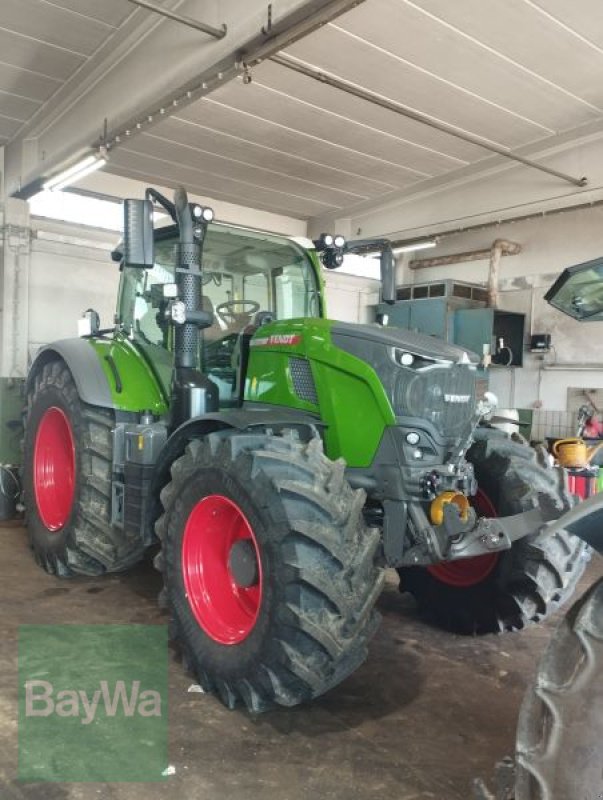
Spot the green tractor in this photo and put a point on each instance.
(282, 461)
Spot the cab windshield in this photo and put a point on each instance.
(244, 273)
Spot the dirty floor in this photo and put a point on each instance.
(426, 713)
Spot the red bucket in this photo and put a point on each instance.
(583, 482)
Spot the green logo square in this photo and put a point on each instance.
(93, 702)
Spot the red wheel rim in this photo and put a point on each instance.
(226, 611)
(469, 571)
(54, 469)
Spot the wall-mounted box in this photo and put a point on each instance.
(476, 327)
(540, 342)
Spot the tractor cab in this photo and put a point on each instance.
(249, 278)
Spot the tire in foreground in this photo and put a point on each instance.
(559, 754)
(269, 569)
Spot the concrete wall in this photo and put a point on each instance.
(61, 271)
(549, 244)
(70, 270)
(350, 298)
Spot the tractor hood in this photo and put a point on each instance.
(418, 344)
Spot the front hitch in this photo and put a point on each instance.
(464, 535)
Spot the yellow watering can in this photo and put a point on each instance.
(574, 452)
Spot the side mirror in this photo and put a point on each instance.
(138, 246)
(388, 275)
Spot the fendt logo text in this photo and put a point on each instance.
(457, 398)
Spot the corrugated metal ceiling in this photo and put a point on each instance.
(43, 44)
(511, 71)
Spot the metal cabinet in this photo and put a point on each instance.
(456, 312)
(434, 317)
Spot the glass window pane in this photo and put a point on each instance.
(578, 291)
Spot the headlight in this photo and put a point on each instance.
(178, 312)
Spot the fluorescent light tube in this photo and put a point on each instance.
(74, 173)
(408, 248)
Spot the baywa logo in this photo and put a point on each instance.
(40, 701)
(92, 702)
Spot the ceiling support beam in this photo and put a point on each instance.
(417, 116)
(120, 92)
(269, 40)
(217, 33)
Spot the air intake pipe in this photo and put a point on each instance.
(193, 393)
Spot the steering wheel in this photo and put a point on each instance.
(228, 315)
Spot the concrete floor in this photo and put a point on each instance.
(425, 715)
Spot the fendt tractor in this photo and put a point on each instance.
(280, 461)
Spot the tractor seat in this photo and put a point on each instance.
(214, 332)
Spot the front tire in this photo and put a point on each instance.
(294, 617)
(524, 584)
(67, 481)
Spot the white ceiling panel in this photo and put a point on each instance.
(130, 164)
(583, 18)
(287, 140)
(197, 137)
(357, 61)
(281, 109)
(173, 153)
(441, 150)
(19, 51)
(464, 62)
(113, 12)
(56, 26)
(25, 83)
(540, 42)
(43, 43)
(8, 127)
(16, 106)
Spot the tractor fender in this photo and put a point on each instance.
(83, 363)
(273, 417)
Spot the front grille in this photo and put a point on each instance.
(443, 395)
(423, 377)
(303, 381)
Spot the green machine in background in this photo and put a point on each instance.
(11, 427)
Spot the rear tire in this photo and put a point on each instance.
(532, 579)
(560, 732)
(68, 498)
(316, 577)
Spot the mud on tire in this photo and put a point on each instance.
(319, 579)
(559, 750)
(86, 544)
(531, 580)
